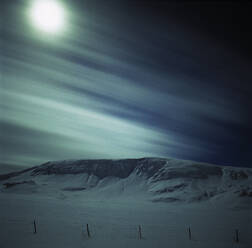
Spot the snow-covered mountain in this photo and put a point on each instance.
(164, 196)
(154, 179)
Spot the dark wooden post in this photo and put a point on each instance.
(236, 236)
(88, 232)
(139, 232)
(189, 233)
(35, 227)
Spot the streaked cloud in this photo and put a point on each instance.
(97, 92)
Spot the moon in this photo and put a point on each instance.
(47, 15)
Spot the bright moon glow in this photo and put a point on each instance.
(47, 15)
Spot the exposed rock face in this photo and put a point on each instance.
(100, 168)
(236, 175)
(158, 169)
(193, 171)
(13, 174)
(9, 185)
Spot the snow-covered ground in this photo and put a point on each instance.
(164, 196)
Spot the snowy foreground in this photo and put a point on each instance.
(164, 196)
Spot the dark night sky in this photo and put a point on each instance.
(127, 79)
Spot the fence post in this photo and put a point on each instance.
(139, 232)
(189, 233)
(237, 236)
(88, 232)
(35, 227)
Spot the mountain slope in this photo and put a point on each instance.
(155, 179)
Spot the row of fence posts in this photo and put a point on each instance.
(236, 235)
(140, 236)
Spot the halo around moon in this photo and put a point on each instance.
(47, 15)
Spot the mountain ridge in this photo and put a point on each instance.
(160, 179)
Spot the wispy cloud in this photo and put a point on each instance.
(97, 91)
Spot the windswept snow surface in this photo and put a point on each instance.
(164, 196)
